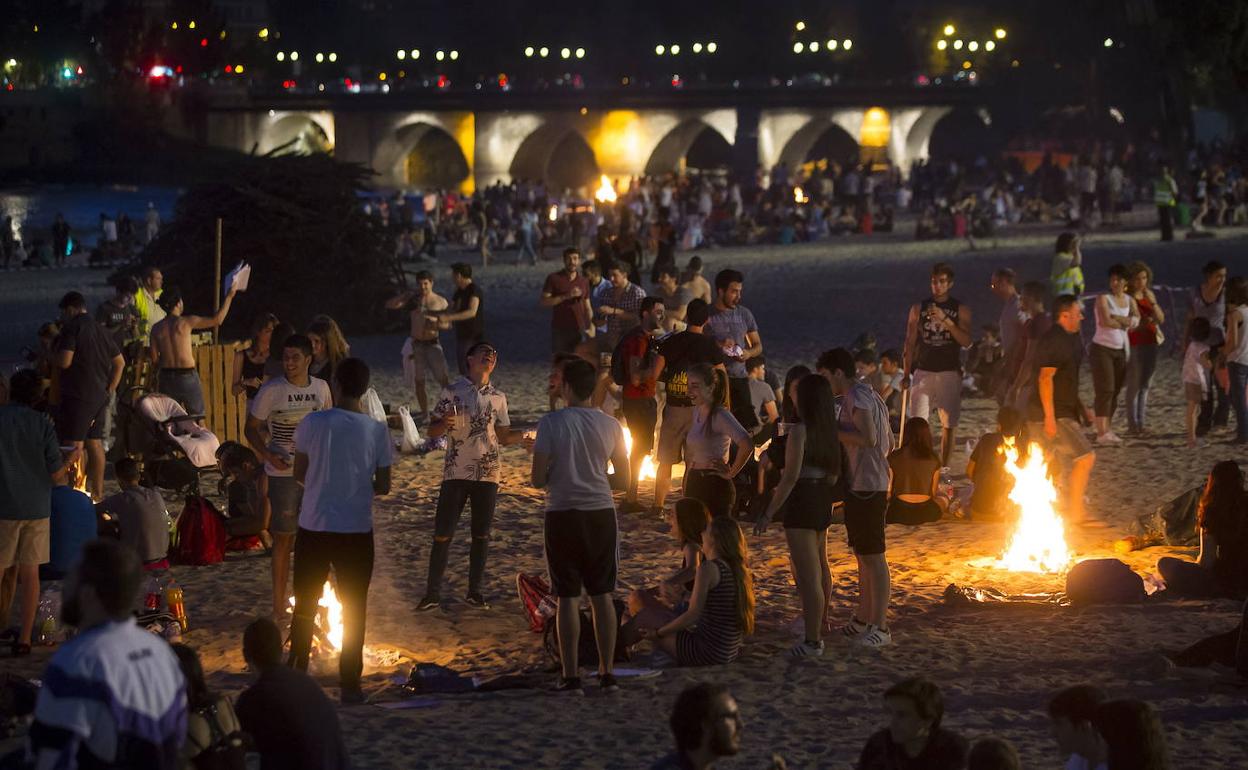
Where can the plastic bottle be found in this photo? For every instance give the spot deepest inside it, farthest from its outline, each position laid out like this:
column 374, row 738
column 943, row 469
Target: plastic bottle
column 173, row 595
column 151, row 595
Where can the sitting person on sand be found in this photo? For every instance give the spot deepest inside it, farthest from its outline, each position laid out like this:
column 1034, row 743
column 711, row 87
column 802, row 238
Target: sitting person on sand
column 214, row 738
column 1130, row 737
column 142, row 518
column 1221, row 569
column 721, row 606
column 914, row 478
column 986, row 468
column 655, row 606
column 993, row 754
column 246, row 489
column 706, row 725
column 914, row 739
column 1071, row 712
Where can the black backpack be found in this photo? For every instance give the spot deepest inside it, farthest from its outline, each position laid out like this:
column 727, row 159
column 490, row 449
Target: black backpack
column 619, row 361
column 587, row 645
column 223, row 752
column 1103, row 581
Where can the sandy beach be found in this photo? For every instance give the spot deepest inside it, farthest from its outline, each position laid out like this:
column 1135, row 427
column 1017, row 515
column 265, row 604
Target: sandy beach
column 997, row 664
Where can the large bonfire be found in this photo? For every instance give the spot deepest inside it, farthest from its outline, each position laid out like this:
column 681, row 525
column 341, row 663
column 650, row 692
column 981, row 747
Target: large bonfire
column 1038, row 543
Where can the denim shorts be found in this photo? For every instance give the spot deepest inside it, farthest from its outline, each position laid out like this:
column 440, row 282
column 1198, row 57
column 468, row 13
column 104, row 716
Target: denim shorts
column 285, row 494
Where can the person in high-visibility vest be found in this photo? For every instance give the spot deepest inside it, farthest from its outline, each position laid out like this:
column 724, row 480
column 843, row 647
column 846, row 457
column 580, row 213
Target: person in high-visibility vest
column 1166, row 197
column 146, row 302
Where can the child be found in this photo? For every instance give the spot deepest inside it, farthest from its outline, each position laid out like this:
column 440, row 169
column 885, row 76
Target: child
column 986, row 468
column 986, row 361
column 890, row 385
column 1196, row 366
column 142, row 518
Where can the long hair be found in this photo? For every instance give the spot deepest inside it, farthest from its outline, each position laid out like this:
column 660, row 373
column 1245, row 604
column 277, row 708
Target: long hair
column 918, row 441
column 717, row 379
column 1224, row 493
column 262, row 322
column 732, row 548
column 817, row 408
column 788, row 409
column 197, row 693
column 1132, row 734
column 692, row 516
column 336, row 348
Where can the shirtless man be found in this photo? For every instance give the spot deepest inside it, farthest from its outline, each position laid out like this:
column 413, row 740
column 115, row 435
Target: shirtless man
column 423, row 348
column 171, row 349
column 692, row 280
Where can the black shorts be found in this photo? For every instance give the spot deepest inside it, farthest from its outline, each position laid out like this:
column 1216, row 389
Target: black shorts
column 864, row 521
column 809, row 505
column 78, row 420
column 581, row 552
column 564, row 340
column 641, row 415
column 912, row 514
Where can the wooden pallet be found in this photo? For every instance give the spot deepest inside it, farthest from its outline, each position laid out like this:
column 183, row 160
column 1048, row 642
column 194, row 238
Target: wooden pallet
column 225, row 414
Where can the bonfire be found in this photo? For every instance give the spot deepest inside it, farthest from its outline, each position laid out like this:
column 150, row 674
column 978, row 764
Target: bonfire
column 605, row 192
column 1038, row 543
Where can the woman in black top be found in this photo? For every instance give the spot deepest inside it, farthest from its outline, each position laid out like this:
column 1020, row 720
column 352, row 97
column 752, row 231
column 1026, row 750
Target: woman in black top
column 1222, row 522
column 329, row 347
column 249, row 362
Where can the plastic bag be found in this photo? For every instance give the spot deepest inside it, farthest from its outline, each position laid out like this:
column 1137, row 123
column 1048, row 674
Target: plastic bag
column 411, row 436
column 48, row 617
column 373, row 407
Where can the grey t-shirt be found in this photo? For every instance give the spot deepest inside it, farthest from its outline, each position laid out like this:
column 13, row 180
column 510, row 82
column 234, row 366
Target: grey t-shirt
column 731, row 325
column 143, row 520
column 1011, row 323
column 579, row 441
column 868, row 465
column 761, row 394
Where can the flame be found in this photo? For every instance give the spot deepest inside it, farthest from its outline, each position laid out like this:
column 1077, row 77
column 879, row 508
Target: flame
column 648, row 467
column 553, row 214
column 799, row 196
column 1039, row 540
column 605, row 192
column 329, row 627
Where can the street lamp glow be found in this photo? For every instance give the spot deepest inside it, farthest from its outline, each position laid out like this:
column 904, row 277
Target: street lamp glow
column 543, row 51
column 797, row 47
column 238, row 69
column 973, row 45
column 263, row 34
column 440, row 55
column 950, row 29
column 191, row 25
column 454, row 55
column 1109, row 42
column 658, row 50
column 814, row 46
column 528, row 52
column 833, row 45
column 415, row 53
column 320, row 57
column 711, row 47
column 675, row 49
column 333, row 57
column 697, row 48
column 173, row 25
column 281, row 56
column 847, row 44
column 801, row 25
column 957, row 45
column 1000, row 33
column 566, row 53
column 400, row 54
column 990, row 46
column 294, row 56
column 942, row 45
column 580, row 53
column 966, row 65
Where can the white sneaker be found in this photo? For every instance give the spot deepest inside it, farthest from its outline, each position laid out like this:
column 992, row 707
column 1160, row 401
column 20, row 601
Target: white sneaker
column 875, row 637
column 854, row 628
column 1108, row 439
column 805, row 649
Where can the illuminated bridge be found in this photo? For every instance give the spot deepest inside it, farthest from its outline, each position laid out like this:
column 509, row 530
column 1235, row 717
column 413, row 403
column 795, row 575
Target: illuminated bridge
column 458, row 140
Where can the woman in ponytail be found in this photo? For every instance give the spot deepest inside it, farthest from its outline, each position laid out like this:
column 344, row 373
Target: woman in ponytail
column 713, row 432
column 721, row 605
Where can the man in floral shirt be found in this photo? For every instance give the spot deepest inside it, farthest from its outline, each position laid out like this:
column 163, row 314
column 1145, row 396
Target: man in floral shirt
column 472, row 414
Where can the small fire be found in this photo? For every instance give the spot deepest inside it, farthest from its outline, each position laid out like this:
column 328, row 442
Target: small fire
column 553, row 214
column 799, row 196
column 648, row 468
column 327, row 637
column 605, row 192
column 1039, row 540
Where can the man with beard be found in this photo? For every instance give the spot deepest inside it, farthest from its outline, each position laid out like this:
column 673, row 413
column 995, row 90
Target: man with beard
column 706, row 724
column 732, row 325
column 936, row 331
column 114, row 695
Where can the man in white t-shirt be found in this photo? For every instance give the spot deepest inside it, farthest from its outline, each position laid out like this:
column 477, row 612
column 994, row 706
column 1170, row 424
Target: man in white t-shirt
column 342, row 459
column 274, row 414
column 472, row 414
column 570, row 455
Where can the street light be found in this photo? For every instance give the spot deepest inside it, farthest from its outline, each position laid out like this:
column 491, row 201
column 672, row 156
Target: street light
column 333, row 57
column 675, row 49
column 294, row 56
column 949, row 29
column 1000, row 33
column 957, row 45
column 454, row 55
column 415, row 53
column 565, row 53
column 528, row 52
column 801, row 25
column 658, row 50
column 797, row 47
column 990, row 46
column 440, row 55
column 847, row 44
column 400, row 54
column 580, row 53
column 697, row 48
column 263, row 34
column 942, row 45
column 711, row 47
column 281, row 56
column 973, row 45
column 1109, row 42
column 320, row 57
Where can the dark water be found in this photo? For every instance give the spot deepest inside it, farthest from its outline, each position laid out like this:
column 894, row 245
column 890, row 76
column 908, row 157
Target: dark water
column 34, row 208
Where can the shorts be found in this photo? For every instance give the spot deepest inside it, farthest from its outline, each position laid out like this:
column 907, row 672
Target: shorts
column 809, row 505
column 78, row 420
column 429, row 359
column 1070, row 443
column 672, row 432
column 864, row 521
column 1194, row 392
column 936, row 390
column 581, row 552
column 640, row 415
column 285, row 495
column 564, row 340
column 24, row 542
column 912, row 514
column 183, row 386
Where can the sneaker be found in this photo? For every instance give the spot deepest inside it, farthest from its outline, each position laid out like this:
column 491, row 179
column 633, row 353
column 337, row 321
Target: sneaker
column 854, row 628
column 352, row 696
column 1108, row 439
column 807, row 649
column 631, row 506
column 429, row 603
column 608, row 683
column 477, row 600
column 568, row 686
column 875, row 637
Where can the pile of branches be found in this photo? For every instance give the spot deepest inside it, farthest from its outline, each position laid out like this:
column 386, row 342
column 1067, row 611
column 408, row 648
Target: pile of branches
column 298, row 221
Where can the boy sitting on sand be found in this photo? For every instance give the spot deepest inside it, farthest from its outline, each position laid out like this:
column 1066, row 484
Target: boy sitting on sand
column 142, row 519
column 986, row 468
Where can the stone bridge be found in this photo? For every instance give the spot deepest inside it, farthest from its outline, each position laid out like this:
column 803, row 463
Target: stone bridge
column 567, row 140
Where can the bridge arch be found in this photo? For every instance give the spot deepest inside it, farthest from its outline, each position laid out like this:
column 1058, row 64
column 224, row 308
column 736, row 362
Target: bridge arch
column 832, row 137
column 557, row 154
column 422, row 150
column 696, row 137
column 296, row 133
column 912, row 134
column 961, row 133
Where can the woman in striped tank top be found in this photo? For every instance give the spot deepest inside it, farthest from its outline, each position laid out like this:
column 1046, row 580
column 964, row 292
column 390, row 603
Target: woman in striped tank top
column 721, row 607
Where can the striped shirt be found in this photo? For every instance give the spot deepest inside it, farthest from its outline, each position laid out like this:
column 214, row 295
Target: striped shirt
column 717, row 638
column 112, row 697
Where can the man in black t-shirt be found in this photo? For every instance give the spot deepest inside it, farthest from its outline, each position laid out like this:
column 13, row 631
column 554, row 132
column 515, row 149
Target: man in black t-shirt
column 936, row 331
column 1055, row 410
column 466, row 314
column 91, row 367
column 671, row 365
column 118, row 315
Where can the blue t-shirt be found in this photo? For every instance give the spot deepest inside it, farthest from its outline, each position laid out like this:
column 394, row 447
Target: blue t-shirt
column 29, row 455
column 72, row 526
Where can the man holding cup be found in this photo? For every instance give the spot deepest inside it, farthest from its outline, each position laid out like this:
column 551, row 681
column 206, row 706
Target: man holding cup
column 472, row 414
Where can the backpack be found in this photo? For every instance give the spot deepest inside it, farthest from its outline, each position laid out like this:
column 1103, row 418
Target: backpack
column 1177, row 518
column 1103, row 581
column 587, row 645
column 539, row 604
column 619, row 360
column 223, row 752
column 200, row 534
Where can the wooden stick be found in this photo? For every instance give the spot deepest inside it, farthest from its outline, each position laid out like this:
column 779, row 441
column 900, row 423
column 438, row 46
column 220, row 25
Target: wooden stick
column 216, row 293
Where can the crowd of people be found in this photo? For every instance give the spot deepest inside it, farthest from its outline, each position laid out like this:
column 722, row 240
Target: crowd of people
column 850, row 437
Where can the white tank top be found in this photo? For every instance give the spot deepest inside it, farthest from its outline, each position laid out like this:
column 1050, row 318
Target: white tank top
column 1114, row 339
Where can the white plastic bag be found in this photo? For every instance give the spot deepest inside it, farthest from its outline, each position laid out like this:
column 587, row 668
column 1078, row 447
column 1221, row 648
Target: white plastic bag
column 411, row 436
column 373, row 407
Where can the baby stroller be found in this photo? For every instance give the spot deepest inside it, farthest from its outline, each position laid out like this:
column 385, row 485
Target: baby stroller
column 174, row 448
